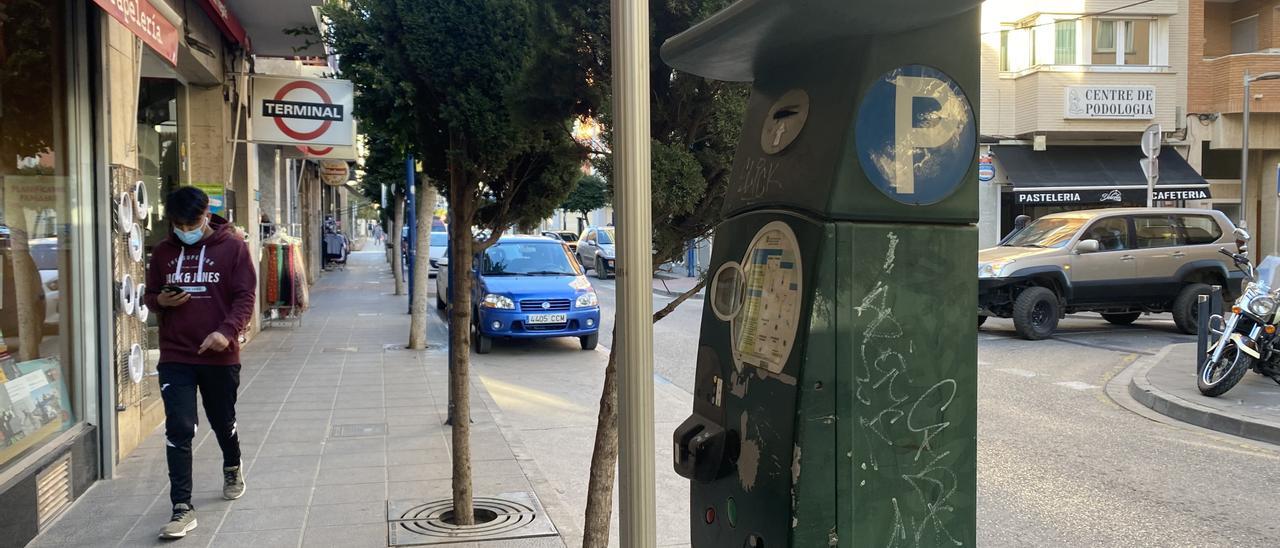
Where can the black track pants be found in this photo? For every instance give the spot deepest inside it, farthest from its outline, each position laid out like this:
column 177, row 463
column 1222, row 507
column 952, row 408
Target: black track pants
column 178, row 384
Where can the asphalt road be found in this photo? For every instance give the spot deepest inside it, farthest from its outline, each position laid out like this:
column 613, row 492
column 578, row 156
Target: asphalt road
column 1061, row 461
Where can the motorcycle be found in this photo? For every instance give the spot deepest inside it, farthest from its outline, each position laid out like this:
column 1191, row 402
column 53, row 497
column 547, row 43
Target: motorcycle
column 1246, row 336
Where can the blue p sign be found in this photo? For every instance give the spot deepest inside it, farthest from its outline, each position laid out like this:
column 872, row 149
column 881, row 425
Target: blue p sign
column 915, row 135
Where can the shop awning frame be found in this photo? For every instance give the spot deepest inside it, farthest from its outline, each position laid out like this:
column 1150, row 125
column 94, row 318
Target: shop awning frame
column 1090, row 168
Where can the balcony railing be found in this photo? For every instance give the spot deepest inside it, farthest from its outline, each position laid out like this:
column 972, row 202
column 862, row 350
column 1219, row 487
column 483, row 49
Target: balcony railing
column 1217, row 84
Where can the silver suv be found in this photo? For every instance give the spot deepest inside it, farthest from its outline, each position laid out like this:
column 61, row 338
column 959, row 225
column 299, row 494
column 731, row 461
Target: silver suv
column 1118, row 262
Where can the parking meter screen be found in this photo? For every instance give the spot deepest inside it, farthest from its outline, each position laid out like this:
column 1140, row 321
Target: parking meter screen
column 764, row 330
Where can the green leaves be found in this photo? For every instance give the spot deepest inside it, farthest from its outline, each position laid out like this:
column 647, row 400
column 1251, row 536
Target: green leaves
column 590, row 194
column 479, row 85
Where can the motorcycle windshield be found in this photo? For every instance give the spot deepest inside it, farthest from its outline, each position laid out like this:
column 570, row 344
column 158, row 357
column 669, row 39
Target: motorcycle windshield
column 1269, row 273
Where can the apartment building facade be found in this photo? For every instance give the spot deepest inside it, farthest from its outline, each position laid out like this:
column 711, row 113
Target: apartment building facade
column 1227, row 40
column 1068, row 88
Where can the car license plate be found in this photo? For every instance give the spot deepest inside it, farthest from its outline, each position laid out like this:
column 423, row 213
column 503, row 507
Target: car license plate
column 548, row 318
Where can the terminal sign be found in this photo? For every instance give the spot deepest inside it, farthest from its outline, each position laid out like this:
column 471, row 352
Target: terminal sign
column 303, row 111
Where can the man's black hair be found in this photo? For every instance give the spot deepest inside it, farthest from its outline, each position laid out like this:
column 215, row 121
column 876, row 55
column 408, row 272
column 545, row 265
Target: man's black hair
column 185, row 205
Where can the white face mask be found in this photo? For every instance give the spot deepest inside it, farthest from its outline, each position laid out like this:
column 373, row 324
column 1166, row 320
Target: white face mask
column 190, row 237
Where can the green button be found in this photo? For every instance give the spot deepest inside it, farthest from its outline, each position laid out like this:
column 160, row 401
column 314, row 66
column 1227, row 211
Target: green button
column 731, row 512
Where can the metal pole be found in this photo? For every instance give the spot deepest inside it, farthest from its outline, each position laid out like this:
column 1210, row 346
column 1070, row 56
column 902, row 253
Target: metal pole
column 1275, row 244
column 411, row 219
column 630, row 36
column 1244, row 158
column 1151, row 190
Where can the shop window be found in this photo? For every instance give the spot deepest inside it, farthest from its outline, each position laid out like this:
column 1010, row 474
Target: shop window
column 1157, row 231
column 159, row 160
column 38, row 383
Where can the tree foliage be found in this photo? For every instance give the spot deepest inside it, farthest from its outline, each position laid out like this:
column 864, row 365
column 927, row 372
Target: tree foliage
column 694, row 123
column 591, row 193
column 465, row 86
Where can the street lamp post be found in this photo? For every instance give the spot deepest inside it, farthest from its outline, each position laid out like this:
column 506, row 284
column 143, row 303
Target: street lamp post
column 636, row 491
column 1244, row 142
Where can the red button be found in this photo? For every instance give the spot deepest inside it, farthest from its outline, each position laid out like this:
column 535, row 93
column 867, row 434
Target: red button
column 711, row 515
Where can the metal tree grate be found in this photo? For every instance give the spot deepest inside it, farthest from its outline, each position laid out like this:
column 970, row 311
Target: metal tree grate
column 518, row 516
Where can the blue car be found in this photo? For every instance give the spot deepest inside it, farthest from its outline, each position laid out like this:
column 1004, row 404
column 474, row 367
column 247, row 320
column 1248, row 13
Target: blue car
column 528, row 287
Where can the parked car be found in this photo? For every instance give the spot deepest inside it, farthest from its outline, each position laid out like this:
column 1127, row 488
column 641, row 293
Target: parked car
column 596, row 252
column 439, row 244
column 1121, row 263
column 569, row 238
column 44, row 252
column 527, row 287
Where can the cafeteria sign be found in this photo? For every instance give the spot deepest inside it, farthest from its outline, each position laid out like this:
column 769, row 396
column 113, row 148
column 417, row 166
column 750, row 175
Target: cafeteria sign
column 311, row 112
column 1112, row 196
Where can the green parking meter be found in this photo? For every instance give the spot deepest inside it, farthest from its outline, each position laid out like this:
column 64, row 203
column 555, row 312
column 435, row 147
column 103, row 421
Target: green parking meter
column 835, row 393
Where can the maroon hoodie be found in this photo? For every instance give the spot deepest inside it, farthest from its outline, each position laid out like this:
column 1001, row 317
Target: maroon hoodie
column 220, row 276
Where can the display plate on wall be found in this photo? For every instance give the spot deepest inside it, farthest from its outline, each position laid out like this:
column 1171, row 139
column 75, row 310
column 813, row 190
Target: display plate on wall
column 127, row 295
column 142, row 203
column 139, row 304
column 135, row 243
column 124, row 212
column 136, row 363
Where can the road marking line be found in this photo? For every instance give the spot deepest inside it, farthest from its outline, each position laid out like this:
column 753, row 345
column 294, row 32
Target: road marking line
column 1076, row 385
column 1018, row 372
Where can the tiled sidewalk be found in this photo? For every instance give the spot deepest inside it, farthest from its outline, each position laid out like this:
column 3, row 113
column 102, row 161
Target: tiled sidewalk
column 333, row 425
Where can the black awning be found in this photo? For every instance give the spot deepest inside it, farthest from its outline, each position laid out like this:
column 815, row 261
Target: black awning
column 1095, row 174
column 1090, row 166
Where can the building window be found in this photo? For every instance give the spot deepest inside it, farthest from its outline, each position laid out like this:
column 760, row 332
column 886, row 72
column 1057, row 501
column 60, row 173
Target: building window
column 1104, row 37
column 1064, row 51
column 1244, row 35
column 1137, row 42
column 1004, row 50
column 1135, row 35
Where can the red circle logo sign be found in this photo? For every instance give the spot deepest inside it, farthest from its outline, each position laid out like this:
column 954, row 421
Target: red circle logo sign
column 315, row 151
column 324, row 97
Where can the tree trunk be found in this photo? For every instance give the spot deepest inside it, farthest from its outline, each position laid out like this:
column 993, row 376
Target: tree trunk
column 386, row 244
column 604, row 461
column 27, row 296
column 421, row 268
column 604, row 455
column 462, row 242
column 397, row 257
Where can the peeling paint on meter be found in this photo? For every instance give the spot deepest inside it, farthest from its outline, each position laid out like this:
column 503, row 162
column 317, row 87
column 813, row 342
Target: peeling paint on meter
column 915, row 135
column 764, row 326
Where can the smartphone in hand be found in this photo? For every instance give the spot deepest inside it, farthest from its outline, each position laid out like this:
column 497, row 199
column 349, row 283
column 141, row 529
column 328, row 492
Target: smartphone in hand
column 171, row 289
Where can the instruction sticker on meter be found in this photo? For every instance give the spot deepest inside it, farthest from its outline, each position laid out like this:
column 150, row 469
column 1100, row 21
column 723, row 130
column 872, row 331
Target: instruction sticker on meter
column 764, row 329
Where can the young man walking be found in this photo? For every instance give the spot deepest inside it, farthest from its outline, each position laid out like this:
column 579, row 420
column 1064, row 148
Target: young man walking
column 202, row 283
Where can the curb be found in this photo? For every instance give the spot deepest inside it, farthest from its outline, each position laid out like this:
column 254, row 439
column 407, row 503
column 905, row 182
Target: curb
column 552, row 502
column 1192, row 413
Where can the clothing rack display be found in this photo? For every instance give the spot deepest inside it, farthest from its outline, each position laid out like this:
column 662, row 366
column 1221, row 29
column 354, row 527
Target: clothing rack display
column 335, row 250
column 285, row 281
